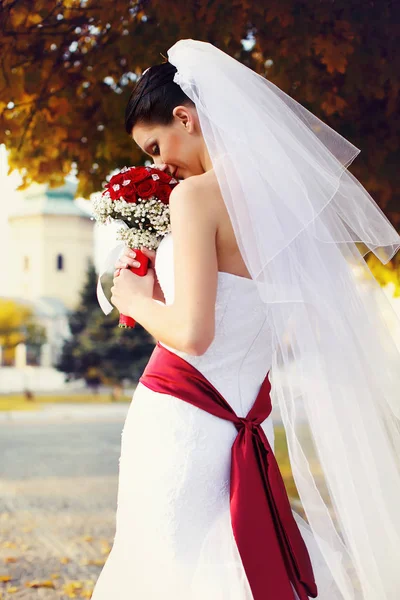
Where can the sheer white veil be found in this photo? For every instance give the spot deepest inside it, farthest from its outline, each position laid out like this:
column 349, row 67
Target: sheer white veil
column 303, row 224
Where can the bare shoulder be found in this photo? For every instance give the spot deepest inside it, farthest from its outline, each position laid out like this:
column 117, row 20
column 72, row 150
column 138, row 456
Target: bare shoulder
column 200, row 194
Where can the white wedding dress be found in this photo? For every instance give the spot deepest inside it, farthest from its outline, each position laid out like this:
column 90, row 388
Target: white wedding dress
column 173, row 538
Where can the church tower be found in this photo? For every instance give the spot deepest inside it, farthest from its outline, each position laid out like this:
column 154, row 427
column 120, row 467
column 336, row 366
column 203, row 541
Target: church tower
column 52, row 243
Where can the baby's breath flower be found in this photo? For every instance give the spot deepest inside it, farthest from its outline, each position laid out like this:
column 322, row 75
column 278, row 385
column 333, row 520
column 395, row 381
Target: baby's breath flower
column 146, row 221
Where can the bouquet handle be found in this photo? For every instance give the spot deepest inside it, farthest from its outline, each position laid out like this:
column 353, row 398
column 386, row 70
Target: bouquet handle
column 126, row 322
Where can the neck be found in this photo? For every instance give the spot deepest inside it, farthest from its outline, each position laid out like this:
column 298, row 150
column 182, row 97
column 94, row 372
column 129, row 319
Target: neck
column 205, row 160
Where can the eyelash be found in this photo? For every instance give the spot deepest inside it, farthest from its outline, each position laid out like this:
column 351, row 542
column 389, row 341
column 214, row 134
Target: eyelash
column 152, row 150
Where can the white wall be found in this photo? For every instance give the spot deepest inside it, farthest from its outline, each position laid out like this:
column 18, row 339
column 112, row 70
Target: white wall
column 41, row 238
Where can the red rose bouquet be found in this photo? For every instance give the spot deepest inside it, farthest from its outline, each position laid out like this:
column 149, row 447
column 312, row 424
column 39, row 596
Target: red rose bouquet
column 138, row 197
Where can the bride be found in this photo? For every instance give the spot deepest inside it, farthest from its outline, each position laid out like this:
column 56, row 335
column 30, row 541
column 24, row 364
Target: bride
column 259, row 296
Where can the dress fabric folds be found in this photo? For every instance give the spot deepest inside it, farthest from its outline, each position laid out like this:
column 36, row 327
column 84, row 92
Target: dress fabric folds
column 196, row 452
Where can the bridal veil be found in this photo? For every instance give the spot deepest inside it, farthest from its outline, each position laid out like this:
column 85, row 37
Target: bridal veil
column 304, row 224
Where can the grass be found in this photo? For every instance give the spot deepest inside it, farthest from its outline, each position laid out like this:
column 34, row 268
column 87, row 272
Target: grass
column 19, row 402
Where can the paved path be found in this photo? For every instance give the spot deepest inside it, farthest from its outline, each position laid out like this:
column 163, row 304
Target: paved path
column 68, row 412
column 58, row 486
column 58, row 493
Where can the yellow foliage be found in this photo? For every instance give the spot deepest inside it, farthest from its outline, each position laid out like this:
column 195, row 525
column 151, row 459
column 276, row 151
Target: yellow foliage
column 34, row 19
column 318, row 52
column 385, row 274
column 13, row 318
column 19, row 16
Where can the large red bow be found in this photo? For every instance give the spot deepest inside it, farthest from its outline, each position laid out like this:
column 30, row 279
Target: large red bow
column 269, row 541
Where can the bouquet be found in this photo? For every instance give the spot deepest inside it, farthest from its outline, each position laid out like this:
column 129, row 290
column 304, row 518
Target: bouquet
column 138, row 198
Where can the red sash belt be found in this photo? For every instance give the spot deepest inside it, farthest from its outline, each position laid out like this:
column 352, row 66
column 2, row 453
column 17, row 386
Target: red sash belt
column 269, row 541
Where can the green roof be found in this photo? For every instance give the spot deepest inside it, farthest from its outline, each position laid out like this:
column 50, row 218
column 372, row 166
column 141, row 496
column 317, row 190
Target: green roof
column 40, row 199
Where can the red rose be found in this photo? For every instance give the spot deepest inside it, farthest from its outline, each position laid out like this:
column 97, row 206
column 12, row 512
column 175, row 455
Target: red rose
column 114, row 186
column 117, row 179
column 129, row 193
column 162, row 176
column 115, row 190
column 147, row 188
column 163, row 192
column 137, row 174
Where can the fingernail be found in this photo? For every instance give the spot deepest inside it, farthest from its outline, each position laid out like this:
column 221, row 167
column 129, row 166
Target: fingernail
column 132, row 253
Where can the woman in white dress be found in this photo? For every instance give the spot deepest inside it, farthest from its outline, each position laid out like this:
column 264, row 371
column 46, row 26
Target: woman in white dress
column 207, row 305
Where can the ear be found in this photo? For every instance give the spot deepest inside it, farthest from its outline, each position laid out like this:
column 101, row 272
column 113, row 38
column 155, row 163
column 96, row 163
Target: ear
column 185, row 117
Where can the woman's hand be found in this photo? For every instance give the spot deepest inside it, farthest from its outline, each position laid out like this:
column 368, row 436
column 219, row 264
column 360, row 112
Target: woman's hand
column 128, row 259
column 127, row 286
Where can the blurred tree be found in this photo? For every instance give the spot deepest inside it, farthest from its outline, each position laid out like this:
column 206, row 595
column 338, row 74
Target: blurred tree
column 87, row 303
column 67, row 68
column 18, row 325
column 35, row 337
column 99, row 351
column 35, row 334
column 385, row 274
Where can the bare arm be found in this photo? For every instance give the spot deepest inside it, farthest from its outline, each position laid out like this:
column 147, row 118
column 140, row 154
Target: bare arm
column 188, row 324
column 128, row 258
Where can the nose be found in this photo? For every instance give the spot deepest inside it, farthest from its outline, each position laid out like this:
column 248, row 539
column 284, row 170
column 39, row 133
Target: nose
column 166, row 167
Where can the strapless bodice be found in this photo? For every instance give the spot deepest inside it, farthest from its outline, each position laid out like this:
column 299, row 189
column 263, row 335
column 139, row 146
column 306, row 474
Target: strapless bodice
column 240, row 355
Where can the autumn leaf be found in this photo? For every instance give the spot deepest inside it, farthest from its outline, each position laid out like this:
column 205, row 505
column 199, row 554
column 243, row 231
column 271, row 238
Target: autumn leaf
column 72, row 588
column 333, row 54
column 98, row 562
column 40, row 584
column 333, row 103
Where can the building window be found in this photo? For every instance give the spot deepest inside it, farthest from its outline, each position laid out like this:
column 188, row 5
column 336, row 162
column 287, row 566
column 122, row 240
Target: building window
column 60, row 262
column 26, row 263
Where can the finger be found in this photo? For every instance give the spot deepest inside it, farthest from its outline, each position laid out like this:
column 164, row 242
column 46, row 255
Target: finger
column 151, row 255
column 147, row 251
column 126, row 255
column 124, row 263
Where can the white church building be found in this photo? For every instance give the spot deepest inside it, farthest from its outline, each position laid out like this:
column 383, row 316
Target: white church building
column 51, row 241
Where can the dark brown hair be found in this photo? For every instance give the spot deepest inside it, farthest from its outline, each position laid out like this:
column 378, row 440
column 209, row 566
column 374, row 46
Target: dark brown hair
column 154, row 97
